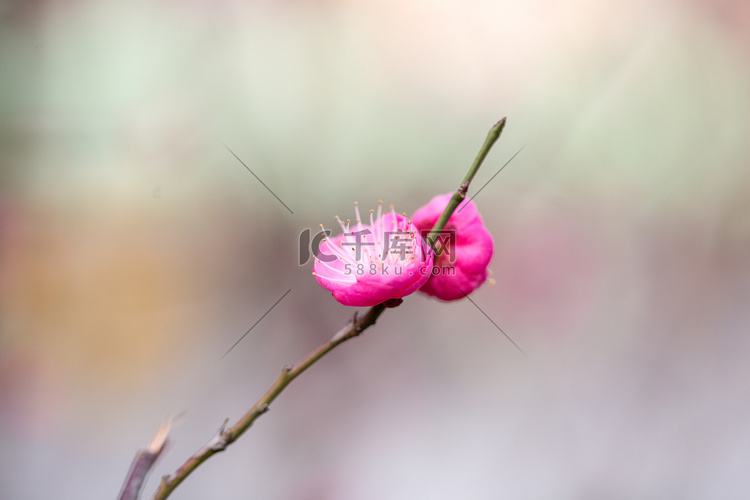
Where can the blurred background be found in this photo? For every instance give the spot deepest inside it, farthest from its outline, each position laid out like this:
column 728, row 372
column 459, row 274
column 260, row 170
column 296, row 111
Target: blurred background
column 135, row 249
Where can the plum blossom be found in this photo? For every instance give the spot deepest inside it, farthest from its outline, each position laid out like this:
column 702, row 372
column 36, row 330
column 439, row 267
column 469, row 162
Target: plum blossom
column 370, row 264
column 464, row 249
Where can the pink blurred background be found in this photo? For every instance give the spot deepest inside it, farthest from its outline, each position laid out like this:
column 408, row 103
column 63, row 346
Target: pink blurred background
column 135, row 250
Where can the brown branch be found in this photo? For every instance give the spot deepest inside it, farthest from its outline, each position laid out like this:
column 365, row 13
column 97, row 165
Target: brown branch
column 142, row 463
column 225, row 436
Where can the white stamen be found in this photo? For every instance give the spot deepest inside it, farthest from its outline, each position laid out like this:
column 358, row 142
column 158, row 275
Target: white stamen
column 359, row 219
column 332, row 268
column 343, row 228
column 334, row 249
column 336, row 280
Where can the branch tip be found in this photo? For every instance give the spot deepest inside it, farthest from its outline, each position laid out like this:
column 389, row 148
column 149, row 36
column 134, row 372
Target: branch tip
column 499, row 125
column 157, row 443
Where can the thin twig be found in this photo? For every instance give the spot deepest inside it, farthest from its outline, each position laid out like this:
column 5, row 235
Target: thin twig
column 492, row 136
column 358, row 324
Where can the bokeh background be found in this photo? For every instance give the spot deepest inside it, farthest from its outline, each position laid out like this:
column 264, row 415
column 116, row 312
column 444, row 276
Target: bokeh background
column 135, row 249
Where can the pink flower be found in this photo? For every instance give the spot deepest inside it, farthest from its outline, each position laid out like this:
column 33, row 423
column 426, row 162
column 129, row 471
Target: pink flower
column 369, row 264
column 465, row 253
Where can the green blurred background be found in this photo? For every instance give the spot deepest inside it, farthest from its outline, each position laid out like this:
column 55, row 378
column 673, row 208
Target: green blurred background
column 135, row 249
